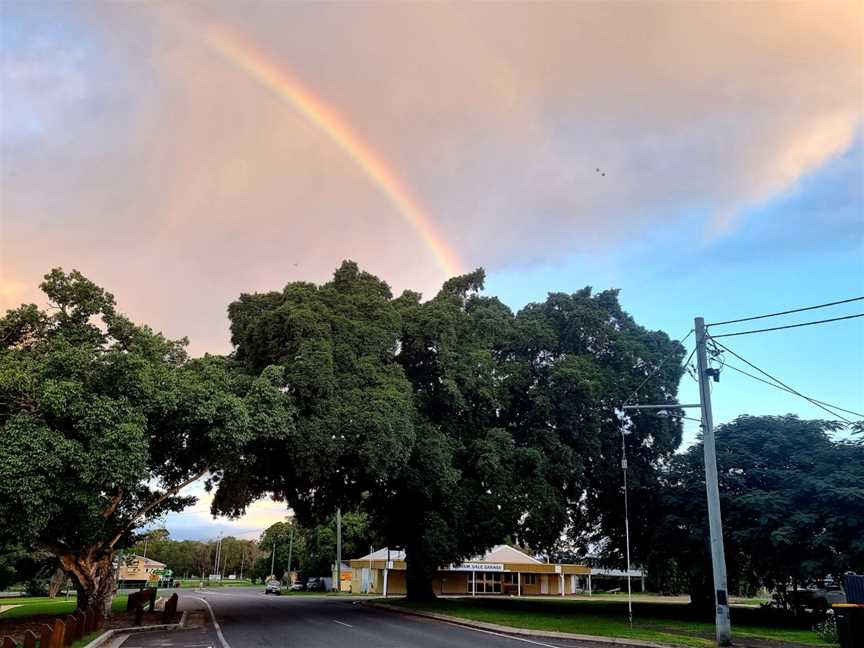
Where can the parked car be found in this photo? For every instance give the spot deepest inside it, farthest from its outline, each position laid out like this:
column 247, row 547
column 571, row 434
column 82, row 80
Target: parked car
column 273, row 587
column 315, row 584
column 817, row 598
column 297, row 587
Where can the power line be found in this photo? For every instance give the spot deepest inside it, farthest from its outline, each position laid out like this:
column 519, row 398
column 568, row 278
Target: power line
column 657, row 368
column 795, row 310
column 780, row 328
column 780, row 382
column 776, row 386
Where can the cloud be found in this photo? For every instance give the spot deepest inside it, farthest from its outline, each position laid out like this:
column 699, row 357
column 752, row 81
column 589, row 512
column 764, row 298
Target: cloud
column 196, row 522
column 178, row 181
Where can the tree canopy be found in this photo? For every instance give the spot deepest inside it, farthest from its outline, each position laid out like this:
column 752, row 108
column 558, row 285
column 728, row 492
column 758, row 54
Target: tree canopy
column 453, row 422
column 792, row 498
column 103, row 421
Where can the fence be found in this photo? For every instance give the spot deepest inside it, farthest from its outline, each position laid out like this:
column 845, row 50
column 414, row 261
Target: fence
column 78, row 625
column 63, row 633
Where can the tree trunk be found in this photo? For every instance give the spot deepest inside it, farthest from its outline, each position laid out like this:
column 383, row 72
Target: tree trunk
column 94, row 580
column 58, row 580
column 419, row 574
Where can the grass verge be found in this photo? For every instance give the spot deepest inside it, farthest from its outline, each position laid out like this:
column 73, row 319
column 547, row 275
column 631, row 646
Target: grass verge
column 661, row 623
column 39, row 606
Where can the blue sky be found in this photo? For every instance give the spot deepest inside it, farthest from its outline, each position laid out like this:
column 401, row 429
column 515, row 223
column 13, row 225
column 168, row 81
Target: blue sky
column 803, row 247
column 730, row 144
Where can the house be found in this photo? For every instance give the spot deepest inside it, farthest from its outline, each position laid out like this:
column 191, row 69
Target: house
column 345, row 576
column 137, row 570
column 501, row 570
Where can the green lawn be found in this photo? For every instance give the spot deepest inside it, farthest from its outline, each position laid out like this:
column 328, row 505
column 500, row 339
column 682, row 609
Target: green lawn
column 34, row 606
column 663, row 623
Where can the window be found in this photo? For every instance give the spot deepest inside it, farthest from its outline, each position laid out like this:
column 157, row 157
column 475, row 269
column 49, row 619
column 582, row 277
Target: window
column 510, row 579
column 530, row 579
column 485, row 583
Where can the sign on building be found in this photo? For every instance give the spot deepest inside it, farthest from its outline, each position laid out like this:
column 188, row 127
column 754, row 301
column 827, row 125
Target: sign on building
column 478, row 566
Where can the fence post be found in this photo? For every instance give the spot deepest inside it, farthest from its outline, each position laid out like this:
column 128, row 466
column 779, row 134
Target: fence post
column 90, row 624
column 30, row 639
column 170, row 609
column 58, row 634
column 151, row 594
column 130, row 602
column 81, row 627
column 139, row 615
column 8, row 643
column 71, row 630
column 44, row 636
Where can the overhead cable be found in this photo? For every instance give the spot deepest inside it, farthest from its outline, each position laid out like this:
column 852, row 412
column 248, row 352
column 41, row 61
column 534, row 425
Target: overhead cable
column 788, row 326
column 776, row 386
column 780, row 382
column 656, row 369
column 794, row 310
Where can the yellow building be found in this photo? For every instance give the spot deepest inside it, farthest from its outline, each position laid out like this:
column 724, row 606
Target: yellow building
column 502, row 570
column 137, row 569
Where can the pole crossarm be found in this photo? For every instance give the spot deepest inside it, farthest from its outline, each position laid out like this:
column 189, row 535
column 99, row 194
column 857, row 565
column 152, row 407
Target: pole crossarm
column 665, row 406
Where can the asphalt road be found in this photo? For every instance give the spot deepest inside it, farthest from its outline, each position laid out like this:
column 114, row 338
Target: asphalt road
column 250, row 619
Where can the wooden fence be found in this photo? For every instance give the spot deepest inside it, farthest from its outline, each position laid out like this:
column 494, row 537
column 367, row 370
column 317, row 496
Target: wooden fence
column 78, row 625
column 62, row 633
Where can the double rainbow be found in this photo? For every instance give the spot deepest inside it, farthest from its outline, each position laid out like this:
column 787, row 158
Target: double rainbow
column 253, row 62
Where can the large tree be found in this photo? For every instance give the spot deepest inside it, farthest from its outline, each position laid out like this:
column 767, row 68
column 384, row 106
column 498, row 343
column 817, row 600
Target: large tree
column 792, row 497
column 453, row 422
column 103, row 422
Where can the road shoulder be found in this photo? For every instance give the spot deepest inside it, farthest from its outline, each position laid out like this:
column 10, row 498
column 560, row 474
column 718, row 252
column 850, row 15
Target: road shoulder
column 510, row 630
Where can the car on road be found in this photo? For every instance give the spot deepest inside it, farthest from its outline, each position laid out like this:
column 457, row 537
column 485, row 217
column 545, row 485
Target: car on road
column 297, row 587
column 315, row 584
column 273, row 587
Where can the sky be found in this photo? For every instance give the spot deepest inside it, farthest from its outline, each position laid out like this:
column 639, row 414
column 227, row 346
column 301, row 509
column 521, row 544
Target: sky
column 706, row 159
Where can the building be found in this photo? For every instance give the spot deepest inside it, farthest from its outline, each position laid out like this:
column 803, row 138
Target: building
column 502, row 570
column 345, row 576
column 136, row 570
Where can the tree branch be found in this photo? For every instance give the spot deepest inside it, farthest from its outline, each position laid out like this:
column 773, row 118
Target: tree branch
column 115, row 502
column 149, row 507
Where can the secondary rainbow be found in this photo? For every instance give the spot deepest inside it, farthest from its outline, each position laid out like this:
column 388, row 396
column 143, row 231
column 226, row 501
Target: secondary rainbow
column 253, row 62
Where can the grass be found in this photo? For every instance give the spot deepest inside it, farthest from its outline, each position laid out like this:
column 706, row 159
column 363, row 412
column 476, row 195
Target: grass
column 659, row 622
column 35, row 606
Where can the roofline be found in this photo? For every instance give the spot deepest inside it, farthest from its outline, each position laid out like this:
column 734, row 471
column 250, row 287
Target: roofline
column 531, row 558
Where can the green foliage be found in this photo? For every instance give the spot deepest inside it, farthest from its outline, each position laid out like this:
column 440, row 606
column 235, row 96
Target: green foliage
column 102, row 421
column 313, row 551
column 792, row 498
column 453, row 422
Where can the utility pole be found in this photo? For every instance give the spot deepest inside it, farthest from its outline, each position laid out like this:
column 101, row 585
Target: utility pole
column 242, row 560
column 290, row 551
column 273, row 560
column 337, row 586
column 715, row 523
column 386, row 571
column 626, row 528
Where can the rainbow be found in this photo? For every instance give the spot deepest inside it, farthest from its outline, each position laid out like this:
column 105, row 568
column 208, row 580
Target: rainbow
column 253, row 62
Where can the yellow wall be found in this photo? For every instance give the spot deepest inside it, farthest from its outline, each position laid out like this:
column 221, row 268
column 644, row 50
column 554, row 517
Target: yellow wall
column 455, row 582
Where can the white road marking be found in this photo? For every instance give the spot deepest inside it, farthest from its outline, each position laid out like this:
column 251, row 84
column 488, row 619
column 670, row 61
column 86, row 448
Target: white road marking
column 216, row 625
column 499, row 634
column 347, row 625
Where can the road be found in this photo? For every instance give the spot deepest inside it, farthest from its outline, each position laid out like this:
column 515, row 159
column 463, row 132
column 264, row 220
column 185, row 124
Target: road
column 250, row 619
